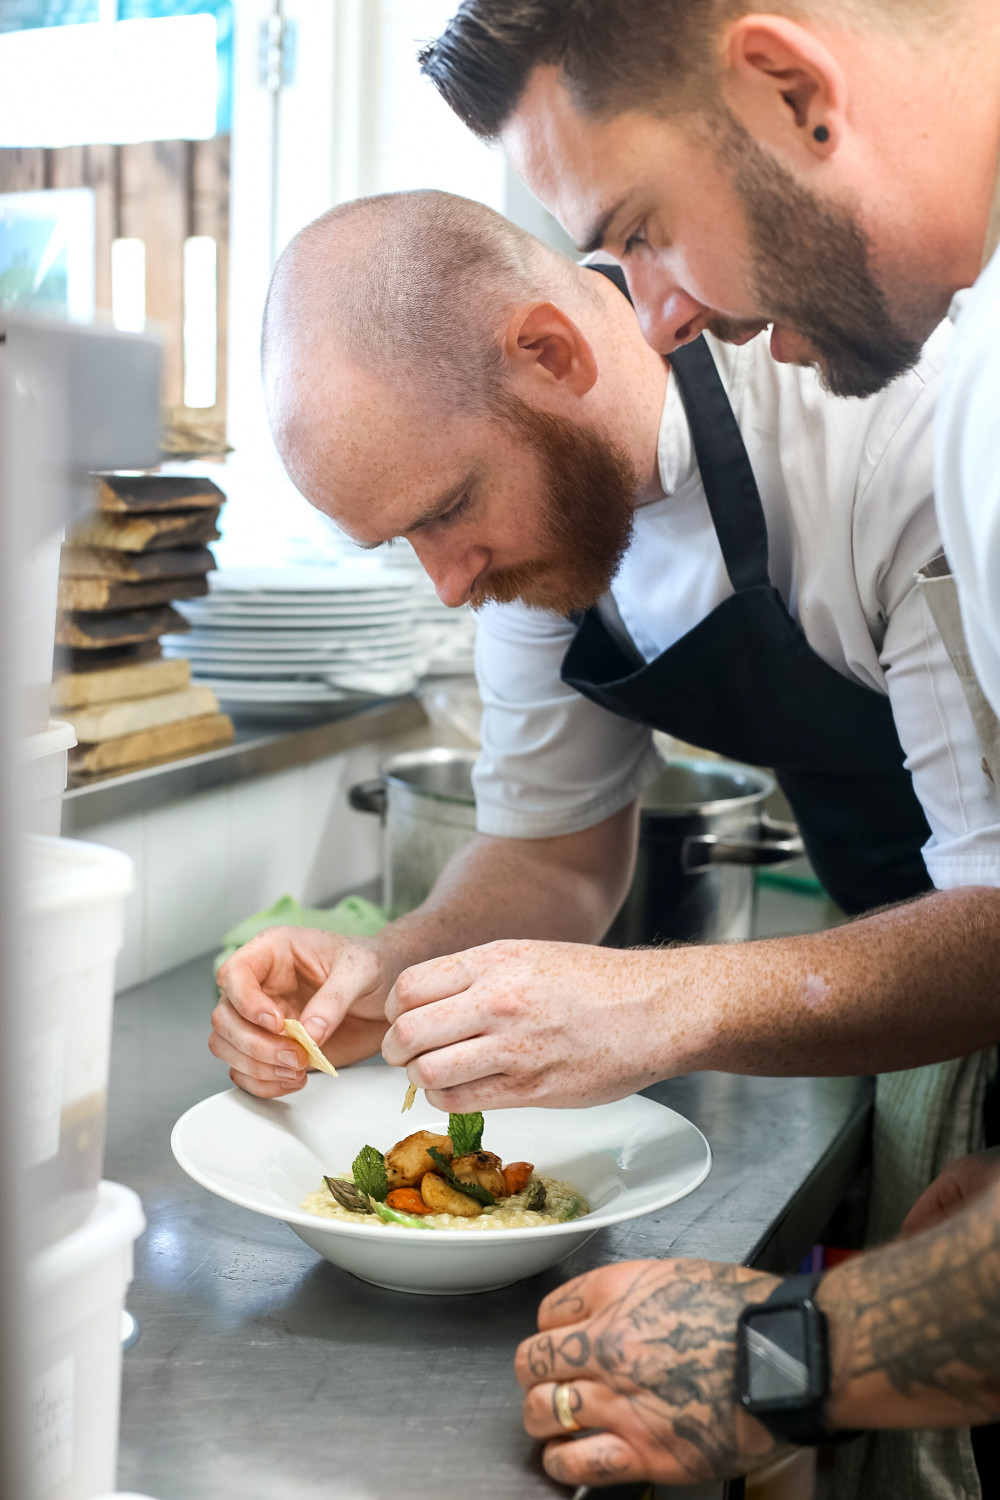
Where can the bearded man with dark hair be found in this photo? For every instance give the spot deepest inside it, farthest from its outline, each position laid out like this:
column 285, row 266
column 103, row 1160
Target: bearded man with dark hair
column 830, row 168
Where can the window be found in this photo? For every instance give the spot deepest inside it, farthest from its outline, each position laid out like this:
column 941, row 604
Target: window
column 128, row 101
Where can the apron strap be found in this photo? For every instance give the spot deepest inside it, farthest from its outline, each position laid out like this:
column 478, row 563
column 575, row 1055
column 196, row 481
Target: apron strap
column 730, row 487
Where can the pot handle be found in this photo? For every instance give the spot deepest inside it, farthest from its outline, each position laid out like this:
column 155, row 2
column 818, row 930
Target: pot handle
column 368, row 796
column 777, row 843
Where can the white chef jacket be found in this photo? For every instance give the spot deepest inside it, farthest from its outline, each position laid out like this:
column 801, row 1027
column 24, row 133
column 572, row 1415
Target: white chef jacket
column 967, row 469
column 847, row 494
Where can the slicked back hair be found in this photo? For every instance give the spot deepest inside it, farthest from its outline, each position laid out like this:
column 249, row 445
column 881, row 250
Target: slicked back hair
column 653, row 56
column 413, row 288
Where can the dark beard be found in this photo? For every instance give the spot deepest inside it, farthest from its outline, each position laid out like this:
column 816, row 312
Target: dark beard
column 588, row 517
column 812, row 273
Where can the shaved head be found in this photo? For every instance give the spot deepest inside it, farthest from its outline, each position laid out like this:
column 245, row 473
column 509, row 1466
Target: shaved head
column 425, row 377
column 413, row 289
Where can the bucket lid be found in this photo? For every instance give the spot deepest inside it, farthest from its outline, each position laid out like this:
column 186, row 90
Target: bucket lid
column 117, row 1220
column 58, row 736
column 68, row 872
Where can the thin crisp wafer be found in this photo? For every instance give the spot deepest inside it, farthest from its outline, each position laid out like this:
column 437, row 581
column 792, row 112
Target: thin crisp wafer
column 411, row 1094
column 298, row 1033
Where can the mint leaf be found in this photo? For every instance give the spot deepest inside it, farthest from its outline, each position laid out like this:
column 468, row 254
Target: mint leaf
column 470, row 1189
column 368, row 1171
column 466, row 1133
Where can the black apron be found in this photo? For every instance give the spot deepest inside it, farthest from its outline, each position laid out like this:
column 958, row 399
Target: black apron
column 746, row 683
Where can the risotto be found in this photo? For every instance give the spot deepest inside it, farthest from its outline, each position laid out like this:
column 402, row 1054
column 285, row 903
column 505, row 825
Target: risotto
column 562, row 1202
column 434, row 1180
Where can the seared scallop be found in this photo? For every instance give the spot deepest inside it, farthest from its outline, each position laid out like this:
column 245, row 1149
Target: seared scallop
column 407, row 1162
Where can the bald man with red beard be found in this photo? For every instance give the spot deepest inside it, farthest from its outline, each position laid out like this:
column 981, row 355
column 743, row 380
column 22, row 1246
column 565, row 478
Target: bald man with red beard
column 433, row 373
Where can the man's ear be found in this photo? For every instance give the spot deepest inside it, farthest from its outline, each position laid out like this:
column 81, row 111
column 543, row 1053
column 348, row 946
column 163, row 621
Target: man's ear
column 784, row 85
column 542, row 343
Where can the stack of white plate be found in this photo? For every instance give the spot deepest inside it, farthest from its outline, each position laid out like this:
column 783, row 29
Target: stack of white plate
column 300, row 637
column 448, row 635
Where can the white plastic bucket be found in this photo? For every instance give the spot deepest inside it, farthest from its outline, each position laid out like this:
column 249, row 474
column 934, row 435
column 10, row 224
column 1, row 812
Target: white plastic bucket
column 43, row 776
column 73, row 898
column 76, row 1291
column 35, row 629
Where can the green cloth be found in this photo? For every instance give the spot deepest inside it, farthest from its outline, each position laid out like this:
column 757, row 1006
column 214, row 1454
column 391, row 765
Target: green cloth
column 924, row 1118
column 352, row 917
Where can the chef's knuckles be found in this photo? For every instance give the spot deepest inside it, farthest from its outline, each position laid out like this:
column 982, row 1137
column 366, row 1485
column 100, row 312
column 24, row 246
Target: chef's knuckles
column 261, row 1088
column 264, row 1068
column 597, row 1459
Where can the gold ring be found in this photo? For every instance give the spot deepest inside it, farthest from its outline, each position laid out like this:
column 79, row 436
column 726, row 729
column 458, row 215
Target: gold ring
column 563, row 1409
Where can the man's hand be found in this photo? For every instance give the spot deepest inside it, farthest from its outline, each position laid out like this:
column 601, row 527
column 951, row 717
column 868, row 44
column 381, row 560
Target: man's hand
column 515, row 1023
column 335, row 986
column 960, row 1181
column 648, row 1351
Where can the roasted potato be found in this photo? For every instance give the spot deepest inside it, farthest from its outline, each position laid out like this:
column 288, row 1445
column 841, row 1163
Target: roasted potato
column 407, row 1162
column 481, row 1167
column 442, row 1198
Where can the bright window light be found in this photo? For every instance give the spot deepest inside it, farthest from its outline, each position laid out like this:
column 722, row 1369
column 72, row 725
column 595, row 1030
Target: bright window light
column 47, row 252
column 200, row 321
column 128, row 285
column 143, row 80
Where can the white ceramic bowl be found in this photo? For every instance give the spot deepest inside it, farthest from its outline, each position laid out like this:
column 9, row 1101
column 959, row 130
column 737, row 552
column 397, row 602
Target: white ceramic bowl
column 626, row 1158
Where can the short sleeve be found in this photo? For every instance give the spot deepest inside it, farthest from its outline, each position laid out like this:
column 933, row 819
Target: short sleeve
column 552, row 762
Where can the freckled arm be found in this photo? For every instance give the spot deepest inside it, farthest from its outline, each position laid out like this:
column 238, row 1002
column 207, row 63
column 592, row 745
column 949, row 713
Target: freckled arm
column 567, row 888
column 909, row 985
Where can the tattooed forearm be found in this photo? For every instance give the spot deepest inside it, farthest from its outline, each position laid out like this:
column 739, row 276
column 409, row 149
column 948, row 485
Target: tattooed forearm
column 925, row 1313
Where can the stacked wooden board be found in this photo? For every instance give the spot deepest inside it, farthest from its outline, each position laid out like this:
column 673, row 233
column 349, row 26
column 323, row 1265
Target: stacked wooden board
column 144, row 546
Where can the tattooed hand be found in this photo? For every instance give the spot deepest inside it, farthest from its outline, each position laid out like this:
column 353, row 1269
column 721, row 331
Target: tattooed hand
column 648, row 1350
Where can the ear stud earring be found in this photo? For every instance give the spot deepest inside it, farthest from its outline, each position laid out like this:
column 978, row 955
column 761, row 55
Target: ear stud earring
column 821, row 133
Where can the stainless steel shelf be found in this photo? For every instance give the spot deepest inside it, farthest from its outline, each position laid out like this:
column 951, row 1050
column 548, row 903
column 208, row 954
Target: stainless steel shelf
column 256, row 751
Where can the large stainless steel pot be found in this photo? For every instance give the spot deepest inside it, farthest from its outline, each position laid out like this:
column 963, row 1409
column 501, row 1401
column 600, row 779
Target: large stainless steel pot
column 702, row 831
column 428, row 812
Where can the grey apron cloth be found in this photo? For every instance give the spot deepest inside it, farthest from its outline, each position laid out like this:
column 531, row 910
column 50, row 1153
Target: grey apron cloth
column 746, row 683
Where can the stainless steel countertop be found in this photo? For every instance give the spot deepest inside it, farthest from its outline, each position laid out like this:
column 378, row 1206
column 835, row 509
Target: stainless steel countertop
column 263, row 1373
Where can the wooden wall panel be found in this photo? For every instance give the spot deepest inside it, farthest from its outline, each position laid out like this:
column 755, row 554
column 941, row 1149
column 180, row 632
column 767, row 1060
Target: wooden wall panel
column 22, row 169
column 210, row 215
column 159, row 192
column 154, row 206
column 100, row 172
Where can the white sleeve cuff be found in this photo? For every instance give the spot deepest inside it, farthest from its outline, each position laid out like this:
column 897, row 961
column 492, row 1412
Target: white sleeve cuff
column 501, row 820
column 973, row 860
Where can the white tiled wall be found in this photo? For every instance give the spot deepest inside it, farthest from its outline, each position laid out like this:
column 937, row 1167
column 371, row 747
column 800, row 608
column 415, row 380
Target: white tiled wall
column 205, row 863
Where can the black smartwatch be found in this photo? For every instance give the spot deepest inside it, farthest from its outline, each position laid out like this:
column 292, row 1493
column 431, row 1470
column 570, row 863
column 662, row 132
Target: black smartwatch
column 783, row 1364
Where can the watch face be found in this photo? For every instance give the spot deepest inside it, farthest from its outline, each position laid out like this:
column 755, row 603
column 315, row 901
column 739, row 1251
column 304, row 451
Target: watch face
column 780, row 1361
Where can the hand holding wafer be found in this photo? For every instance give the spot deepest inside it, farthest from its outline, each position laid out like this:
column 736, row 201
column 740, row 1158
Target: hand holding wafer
column 333, row 988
